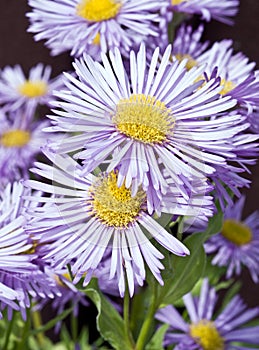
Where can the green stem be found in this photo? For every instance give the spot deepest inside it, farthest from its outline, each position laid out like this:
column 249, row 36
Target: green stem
column 74, row 326
column 145, row 329
column 126, row 318
column 37, row 324
column 9, row 331
column 26, row 329
column 178, row 18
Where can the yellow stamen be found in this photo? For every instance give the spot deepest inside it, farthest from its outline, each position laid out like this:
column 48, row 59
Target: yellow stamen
column 236, row 232
column 15, row 138
column 114, row 205
column 227, row 86
column 190, row 63
column 144, row 118
column 206, row 334
column 98, row 10
column 33, row 89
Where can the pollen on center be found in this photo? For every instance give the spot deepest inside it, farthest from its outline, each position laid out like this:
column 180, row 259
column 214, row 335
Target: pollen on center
column 113, row 205
column 33, row 89
column 15, row 138
column 206, row 334
column 144, row 118
column 236, row 232
column 98, row 10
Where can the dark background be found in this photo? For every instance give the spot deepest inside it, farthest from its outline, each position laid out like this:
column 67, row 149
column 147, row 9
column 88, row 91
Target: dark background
column 18, row 47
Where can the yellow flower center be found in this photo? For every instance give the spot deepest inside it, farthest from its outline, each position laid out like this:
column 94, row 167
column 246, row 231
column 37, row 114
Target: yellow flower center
column 227, row 86
column 190, row 63
column 114, row 205
column 206, row 335
column 98, row 10
column 143, row 118
column 33, row 89
column 15, row 138
column 236, row 232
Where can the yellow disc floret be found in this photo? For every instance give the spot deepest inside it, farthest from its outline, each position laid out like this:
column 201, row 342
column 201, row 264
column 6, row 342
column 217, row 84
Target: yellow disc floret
column 236, row 232
column 190, row 61
column 144, row 118
column 227, row 86
column 113, row 205
column 206, row 335
column 98, row 10
column 15, row 138
column 33, row 89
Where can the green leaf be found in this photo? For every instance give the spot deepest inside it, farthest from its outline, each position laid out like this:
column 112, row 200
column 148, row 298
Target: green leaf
column 182, row 273
column 156, row 341
column 109, row 323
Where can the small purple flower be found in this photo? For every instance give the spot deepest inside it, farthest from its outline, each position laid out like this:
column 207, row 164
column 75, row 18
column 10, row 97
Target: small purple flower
column 20, row 277
column 94, row 26
column 207, row 330
column 20, row 141
column 17, row 91
column 86, row 217
column 237, row 244
column 208, row 9
column 238, row 78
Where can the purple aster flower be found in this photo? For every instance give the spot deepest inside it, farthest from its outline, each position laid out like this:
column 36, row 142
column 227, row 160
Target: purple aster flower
column 93, row 26
column 207, row 330
column 245, row 149
column 18, row 91
column 237, row 244
column 238, row 77
column 91, row 216
column 208, row 9
column 20, row 277
column 158, row 121
column 20, row 142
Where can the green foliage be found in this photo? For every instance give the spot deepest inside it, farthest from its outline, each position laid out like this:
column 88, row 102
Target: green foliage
column 157, row 340
column 109, row 323
column 181, row 273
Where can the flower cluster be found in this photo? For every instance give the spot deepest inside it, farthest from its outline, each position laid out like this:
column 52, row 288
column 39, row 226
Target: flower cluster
column 145, row 136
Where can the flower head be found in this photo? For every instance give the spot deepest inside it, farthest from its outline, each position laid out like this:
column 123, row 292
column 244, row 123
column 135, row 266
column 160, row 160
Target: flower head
column 94, row 26
column 20, row 142
column 205, row 330
column 153, row 124
column 208, row 9
column 20, row 276
column 237, row 244
column 238, row 77
column 16, row 90
column 88, row 217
